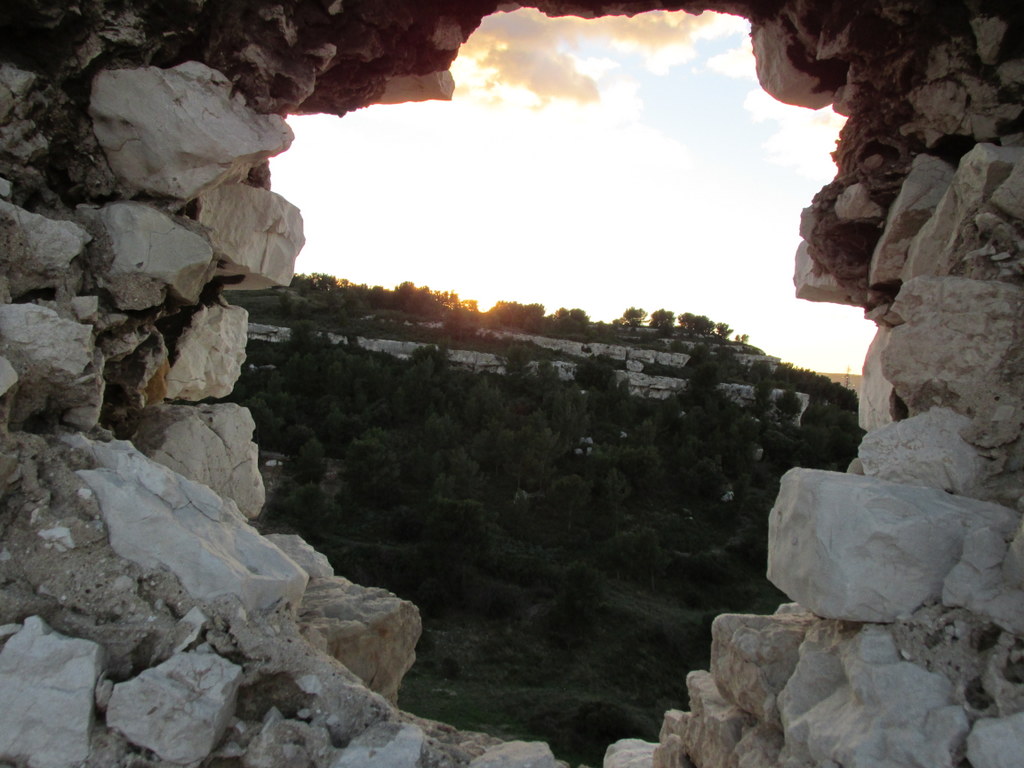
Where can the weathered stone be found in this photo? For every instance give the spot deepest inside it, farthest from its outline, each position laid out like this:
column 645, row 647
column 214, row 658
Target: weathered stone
column 940, row 110
column 154, row 257
column 933, row 251
column 390, row 744
column 759, row 747
column 157, row 518
column 516, row 754
column 923, row 450
column 773, row 42
column 437, row 86
column 36, row 253
column 210, row 444
column 927, row 182
column 752, row 657
column 986, row 581
column 209, row 354
column 989, row 31
column 715, row 726
column 996, row 742
column 256, row 233
column 56, row 363
column 629, row 753
column 814, row 284
column 20, row 137
column 284, row 743
column 958, row 336
column 46, row 683
column 178, row 709
column 369, row 630
column 855, row 204
column 863, row 549
column 312, row 562
column 179, row 132
column 5, row 188
column 1009, row 196
column 853, row 702
column 8, row 376
column 653, row 387
column 876, row 392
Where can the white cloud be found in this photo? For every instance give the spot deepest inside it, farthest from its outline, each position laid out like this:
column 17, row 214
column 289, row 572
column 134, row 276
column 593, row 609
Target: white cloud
column 737, row 62
column 804, row 139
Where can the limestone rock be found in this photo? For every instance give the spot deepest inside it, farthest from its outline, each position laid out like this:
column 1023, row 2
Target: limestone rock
column 179, row 132
column 369, row 630
column 157, row 518
column 154, row 257
column 715, row 726
column 862, row 549
column 437, row 86
column 36, row 253
column 874, row 408
column 56, row 363
column 283, row 743
column 392, row 744
column 312, row 562
column 516, row 754
column 1009, row 196
column 178, row 709
column 629, row 753
column 852, row 701
column 209, row 354
column 778, row 74
column 933, row 250
column 957, row 336
column 927, row 182
column 210, row 444
column 986, row 580
column 20, row 137
column 996, row 742
column 653, row 387
column 257, row 235
column 8, row 376
column 752, row 657
column 46, row 683
column 814, row 284
column 923, row 450
column 855, row 204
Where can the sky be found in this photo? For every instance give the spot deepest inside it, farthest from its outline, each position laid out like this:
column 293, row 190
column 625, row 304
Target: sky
column 598, row 164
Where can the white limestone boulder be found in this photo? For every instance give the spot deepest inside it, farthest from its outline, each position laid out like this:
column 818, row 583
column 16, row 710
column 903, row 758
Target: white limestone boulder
column 752, row 657
column 778, row 74
column 813, row 284
column 210, row 444
column 56, row 362
column 714, row 728
column 926, row 449
column 516, row 754
column 153, row 257
column 1009, row 196
column 159, row 519
column 959, row 335
column 181, row 131
column 396, row 745
column 312, row 562
column 369, row 630
column 862, row 549
column 20, row 136
column 987, row 578
column 179, row 709
column 8, row 376
column 874, row 408
column 927, row 182
column 855, row 204
column 37, row 253
column 209, row 354
column 981, row 171
column 629, row 753
column 853, row 701
column 997, row 742
column 257, row 235
column 47, row 684
column 436, row 86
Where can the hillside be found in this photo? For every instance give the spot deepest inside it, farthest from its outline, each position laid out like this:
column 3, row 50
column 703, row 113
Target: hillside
column 565, row 540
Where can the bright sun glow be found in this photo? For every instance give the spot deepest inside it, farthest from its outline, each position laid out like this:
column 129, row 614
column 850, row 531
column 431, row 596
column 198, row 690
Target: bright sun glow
column 594, row 164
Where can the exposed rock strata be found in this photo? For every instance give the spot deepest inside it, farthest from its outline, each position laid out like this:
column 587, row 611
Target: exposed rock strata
column 144, row 108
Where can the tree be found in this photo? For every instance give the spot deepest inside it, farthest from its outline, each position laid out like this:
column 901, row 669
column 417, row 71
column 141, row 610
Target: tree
column 309, row 466
column 697, row 325
column 663, row 320
column 512, row 314
column 742, row 338
column 722, row 330
column 634, row 317
column 570, row 321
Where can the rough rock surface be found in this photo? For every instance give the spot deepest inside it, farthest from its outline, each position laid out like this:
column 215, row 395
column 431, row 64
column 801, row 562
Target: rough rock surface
column 211, row 444
column 629, row 753
column 256, row 234
column 209, row 354
column 312, row 562
column 862, row 549
column 178, row 709
column 47, row 683
column 516, row 754
column 370, row 631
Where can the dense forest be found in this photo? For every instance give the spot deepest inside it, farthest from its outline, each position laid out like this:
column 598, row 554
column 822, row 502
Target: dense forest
column 567, row 544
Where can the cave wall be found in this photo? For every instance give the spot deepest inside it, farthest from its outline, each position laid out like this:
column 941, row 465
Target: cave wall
column 134, row 138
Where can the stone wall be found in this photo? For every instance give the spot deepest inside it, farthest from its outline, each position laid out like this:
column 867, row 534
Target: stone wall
column 154, row 626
